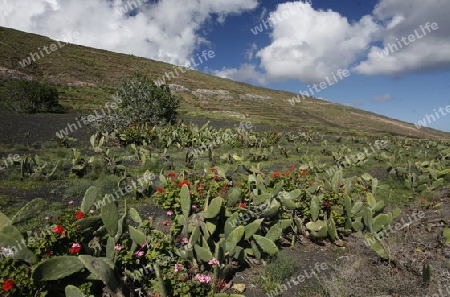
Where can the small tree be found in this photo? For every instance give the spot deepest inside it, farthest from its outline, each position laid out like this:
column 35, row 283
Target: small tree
column 140, row 101
column 143, row 101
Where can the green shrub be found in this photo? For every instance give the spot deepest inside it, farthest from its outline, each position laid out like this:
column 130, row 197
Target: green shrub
column 31, row 97
column 139, row 100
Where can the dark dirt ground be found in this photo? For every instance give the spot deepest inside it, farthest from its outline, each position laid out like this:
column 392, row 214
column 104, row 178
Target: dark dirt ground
column 43, row 127
column 354, row 270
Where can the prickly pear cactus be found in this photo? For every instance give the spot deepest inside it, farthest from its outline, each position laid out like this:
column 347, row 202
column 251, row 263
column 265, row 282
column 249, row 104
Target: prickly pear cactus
column 57, row 268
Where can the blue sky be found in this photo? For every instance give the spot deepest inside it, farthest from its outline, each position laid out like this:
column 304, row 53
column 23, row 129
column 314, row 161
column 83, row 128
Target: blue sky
column 312, row 40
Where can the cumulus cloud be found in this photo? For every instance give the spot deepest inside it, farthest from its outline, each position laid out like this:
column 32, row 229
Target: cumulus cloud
column 314, row 43
column 163, row 30
column 402, row 19
column 383, row 98
column 311, row 44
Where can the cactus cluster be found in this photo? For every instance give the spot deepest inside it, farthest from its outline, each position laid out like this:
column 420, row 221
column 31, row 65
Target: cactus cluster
column 34, row 167
column 359, row 215
column 100, row 268
column 214, row 233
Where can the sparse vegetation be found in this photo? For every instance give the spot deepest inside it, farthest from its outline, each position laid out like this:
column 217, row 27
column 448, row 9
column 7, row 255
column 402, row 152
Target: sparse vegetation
column 151, row 206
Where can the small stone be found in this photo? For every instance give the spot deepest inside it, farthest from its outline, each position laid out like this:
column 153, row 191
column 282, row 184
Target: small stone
column 339, row 243
column 239, row 288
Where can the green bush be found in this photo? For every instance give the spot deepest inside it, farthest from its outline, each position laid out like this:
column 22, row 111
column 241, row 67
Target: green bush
column 140, row 101
column 31, row 97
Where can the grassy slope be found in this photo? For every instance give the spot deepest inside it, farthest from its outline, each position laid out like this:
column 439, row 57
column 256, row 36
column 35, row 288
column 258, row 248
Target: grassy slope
column 87, row 76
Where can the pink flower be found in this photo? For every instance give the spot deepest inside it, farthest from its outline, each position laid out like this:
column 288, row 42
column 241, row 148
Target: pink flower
column 150, row 219
column 47, row 218
column 143, row 245
column 71, row 202
column 194, row 207
column 203, row 278
column 185, row 240
column 91, row 211
column 117, row 247
column 178, row 267
column 169, row 213
column 166, row 223
column 213, row 261
column 139, row 253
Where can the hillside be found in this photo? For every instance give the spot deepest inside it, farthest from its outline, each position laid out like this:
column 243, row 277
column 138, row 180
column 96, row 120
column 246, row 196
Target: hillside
column 86, row 77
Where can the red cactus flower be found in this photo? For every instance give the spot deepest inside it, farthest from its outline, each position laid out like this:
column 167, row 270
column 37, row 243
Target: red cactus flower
column 76, row 247
column 212, row 170
column 197, row 186
column 160, row 190
column 326, row 203
column 216, row 177
column 311, row 183
column 171, row 174
column 185, row 182
column 242, row 205
column 276, row 174
column 8, row 285
column 79, row 215
column 58, row 229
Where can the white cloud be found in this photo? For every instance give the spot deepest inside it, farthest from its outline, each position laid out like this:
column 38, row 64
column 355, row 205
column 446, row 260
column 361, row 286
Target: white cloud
column 244, row 72
column 250, row 53
column 312, row 44
column 428, row 53
column 165, row 30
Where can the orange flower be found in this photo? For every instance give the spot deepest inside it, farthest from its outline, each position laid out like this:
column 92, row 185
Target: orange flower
column 79, row 215
column 58, row 229
column 7, row 285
